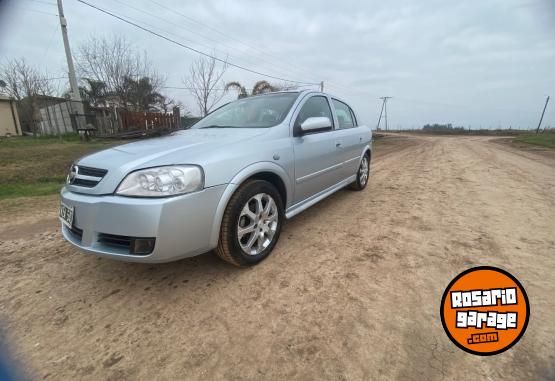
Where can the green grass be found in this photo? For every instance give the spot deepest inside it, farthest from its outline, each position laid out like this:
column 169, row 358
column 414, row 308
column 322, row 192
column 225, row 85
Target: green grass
column 546, row 139
column 28, row 190
column 25, row 141
column 38, row 166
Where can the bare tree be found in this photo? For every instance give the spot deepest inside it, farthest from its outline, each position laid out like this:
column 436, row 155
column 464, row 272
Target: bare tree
column 25, row 84
column 118, row 65
column 205, row 83
column 22, row 80
column 167, row 104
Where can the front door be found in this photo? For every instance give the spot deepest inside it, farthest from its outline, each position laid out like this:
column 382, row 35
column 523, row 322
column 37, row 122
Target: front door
column 318, row 159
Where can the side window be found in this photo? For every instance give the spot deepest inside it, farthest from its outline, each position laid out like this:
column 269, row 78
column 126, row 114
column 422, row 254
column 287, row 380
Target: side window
column 315, row 106
column 344, row 116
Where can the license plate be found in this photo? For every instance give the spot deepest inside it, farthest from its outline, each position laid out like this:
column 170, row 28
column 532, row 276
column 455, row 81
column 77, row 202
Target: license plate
column 66, row 214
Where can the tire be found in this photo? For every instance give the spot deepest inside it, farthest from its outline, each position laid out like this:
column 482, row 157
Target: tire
column 250, row 208
column 362, row 174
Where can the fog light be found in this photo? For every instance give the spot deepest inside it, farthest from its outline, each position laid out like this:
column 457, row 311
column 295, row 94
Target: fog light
column 142, row 246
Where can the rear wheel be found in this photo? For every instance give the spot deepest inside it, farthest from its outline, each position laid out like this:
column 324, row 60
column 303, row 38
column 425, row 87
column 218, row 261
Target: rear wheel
column 251, row 224
column 362, row 174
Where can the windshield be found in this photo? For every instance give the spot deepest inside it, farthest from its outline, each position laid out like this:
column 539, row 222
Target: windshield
column 255, row 112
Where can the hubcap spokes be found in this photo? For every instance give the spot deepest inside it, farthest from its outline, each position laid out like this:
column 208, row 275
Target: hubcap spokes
column 257, row 223
column 363, row 171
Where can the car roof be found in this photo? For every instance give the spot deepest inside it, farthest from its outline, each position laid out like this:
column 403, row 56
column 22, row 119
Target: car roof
column 303, row 92
column 295, row 91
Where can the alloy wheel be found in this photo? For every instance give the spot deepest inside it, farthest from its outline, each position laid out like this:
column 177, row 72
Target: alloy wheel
column 363, row 171
column 257, row 224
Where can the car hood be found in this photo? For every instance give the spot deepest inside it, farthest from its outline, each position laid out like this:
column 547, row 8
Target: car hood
column 182, row 147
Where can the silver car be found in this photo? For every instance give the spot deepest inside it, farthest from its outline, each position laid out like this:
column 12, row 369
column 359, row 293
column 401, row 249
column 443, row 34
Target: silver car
column 228, row 183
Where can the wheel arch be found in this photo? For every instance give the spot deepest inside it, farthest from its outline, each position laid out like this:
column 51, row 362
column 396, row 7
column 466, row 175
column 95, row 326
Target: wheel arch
column 267, row 171
column 367, row 150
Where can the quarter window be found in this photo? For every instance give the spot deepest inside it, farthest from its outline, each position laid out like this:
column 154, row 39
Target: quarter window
column 314, row 107
column 344, row 115
column 354, row 116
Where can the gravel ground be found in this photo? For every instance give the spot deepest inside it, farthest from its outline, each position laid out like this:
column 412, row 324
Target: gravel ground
column 352, row 290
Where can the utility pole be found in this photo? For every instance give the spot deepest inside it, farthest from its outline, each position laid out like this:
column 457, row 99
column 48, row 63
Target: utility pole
column 322, row 86
column 75, row 96
column 543, row 112
column 76, row 104
column 384, row 107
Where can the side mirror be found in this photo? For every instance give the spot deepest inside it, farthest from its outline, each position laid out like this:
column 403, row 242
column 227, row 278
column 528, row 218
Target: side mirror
column 314, row 124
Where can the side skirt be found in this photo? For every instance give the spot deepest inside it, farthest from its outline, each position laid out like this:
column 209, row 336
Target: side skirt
column 303, row 205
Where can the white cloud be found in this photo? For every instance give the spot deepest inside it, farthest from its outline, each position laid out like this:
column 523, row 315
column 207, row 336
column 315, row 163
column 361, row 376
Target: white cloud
column 468, row 63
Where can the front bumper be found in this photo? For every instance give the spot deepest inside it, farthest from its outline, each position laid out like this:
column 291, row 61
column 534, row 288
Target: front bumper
column 181, row 225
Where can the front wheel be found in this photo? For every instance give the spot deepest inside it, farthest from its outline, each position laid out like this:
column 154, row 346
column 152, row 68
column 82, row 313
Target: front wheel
column 251, row 224
column 362, row 174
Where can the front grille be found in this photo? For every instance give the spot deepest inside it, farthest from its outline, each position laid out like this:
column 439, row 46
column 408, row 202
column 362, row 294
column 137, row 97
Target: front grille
column 86, row 176
column 84, row 183
column 96, row 172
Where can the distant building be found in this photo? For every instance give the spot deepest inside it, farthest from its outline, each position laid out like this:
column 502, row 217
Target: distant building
column 9, row 119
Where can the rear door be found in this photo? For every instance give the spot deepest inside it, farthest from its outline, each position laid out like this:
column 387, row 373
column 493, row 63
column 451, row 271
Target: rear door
column 351, row 136
column 317, row 160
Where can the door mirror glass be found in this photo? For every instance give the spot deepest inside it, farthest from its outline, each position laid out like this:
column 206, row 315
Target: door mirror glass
column 317, row 123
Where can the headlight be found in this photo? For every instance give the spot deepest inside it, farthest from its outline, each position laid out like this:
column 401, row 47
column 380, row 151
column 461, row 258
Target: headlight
column 162, row 181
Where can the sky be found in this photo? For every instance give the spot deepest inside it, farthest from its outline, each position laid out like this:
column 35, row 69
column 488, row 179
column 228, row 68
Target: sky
column 474, row 63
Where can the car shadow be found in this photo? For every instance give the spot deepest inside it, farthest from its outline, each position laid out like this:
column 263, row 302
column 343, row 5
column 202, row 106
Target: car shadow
column 194, row 273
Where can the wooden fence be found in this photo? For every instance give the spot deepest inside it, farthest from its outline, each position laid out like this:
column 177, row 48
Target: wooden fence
column 115, row 121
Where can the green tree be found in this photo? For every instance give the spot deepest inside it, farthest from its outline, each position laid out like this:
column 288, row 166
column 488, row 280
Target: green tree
column 140, row 94
column 94, row 92
column 259, row 87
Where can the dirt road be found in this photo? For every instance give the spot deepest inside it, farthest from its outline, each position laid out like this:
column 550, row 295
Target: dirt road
column 352, row 290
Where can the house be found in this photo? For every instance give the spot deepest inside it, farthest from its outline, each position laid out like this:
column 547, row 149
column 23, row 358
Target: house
column 9, row 119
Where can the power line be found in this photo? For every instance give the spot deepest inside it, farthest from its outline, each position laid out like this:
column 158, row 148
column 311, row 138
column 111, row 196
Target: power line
column 50, row 41
column 287, row 66
column 47, row 79
column 163, row 87
column 36, row 11
column 43, row 2
column 275, row 58
column 433, row 102
column 165, row 21
column 221, row 89
column 179, row 26
column 331, row 84
column 191, row 48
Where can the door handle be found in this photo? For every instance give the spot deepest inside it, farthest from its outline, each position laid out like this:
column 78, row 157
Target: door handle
column 360, row 138
column 337, row 144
